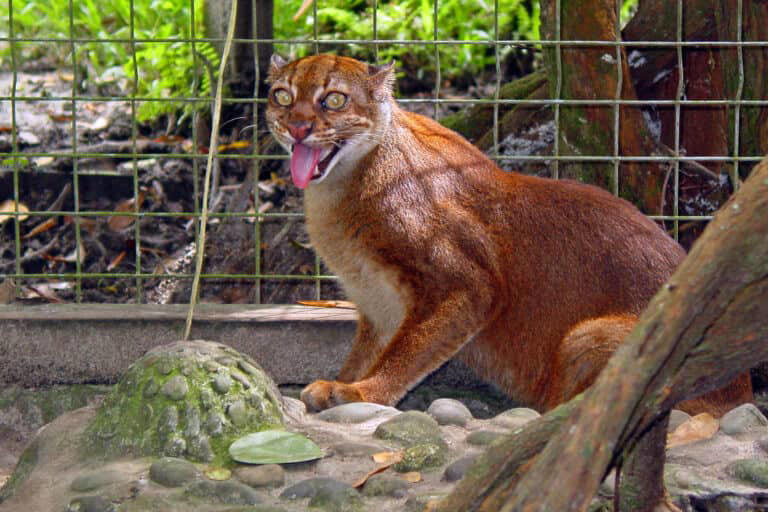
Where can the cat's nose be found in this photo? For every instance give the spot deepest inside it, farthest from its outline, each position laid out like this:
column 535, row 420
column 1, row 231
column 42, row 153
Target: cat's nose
column 299, row 130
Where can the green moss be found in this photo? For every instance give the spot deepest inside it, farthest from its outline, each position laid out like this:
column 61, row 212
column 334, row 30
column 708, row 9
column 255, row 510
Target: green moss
column 141, row 417
column 24, row 467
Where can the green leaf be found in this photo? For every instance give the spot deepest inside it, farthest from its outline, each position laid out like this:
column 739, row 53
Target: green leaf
column 274, row 447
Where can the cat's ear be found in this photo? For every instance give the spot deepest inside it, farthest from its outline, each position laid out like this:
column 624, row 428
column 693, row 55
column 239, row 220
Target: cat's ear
column 382, row 78
column 276, row 63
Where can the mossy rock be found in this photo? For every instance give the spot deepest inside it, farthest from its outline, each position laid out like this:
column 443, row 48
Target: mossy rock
column 187, row 399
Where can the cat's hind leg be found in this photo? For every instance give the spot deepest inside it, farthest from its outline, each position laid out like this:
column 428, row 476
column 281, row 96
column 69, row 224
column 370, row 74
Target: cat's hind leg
column 586, row 348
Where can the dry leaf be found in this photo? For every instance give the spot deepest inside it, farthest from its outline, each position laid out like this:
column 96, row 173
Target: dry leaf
column 387, row 457
column 432, row 505
column 9, row 206
column 41, row 228
column 702, row 426
column 277, row 180
column 43, row 291
column 218, row 474
column 7, row 291
column 118, row 259
column 74, row 255
column 411, row 477
column 344, row 304
column 60, row 118
column 238, row 144
column 121, row 222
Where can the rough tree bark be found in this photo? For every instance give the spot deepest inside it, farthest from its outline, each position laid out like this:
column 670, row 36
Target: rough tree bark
column 710, row 73
column 700, row 331
column 599, row 73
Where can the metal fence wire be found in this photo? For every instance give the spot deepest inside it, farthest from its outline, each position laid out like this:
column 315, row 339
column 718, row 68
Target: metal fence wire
column 92, row 211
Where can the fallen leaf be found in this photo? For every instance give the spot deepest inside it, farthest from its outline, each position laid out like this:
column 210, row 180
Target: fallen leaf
column 7, row 291
column 41, row 228
column 702, row 426
column 301, row 245
column 238, row 144
column 42, row 291
column 343, row 304
column 120, row 222
column 387, row 457
column 74, row 255
column 117, row 260
column 432, row 505
column 277, row 180
column 9, row 207
column 60, row 118
column 274, row 447
column 411, row 477
column 217, row 474
column 169, row 139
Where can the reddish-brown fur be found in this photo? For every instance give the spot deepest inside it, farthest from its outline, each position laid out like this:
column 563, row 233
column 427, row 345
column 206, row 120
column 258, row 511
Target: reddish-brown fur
column 532, row 282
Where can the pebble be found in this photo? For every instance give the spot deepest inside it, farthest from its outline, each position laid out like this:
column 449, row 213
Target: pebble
column 421, row 456
column 222, row 382
column 151, row 388
column 448, row 411
column 328, row 489
column 483, row 437
column 238, row 413
column 229, row 492
column 90, row 504
column 356, row 412
column 456, row 469
column 94, row 480
column 386, row 485
column 172, row 472
column 409, row 429
column 514, row 418
column 744, row 418
column 352, row 449
column 267, row 475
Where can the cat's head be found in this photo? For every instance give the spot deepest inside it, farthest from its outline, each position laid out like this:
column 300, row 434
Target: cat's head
column 328, row 112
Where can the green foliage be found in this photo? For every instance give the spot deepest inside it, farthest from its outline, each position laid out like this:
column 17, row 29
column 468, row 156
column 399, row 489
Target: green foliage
column 163, row 70
column 460, row 20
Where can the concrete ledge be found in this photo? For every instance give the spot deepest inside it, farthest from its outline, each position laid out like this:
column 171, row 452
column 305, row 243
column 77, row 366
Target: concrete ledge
column 95, row 343
column 80, row 343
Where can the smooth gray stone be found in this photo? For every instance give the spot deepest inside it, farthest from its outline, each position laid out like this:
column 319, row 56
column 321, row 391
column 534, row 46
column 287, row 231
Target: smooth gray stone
column 356, row 412
column 456, row 469
column 448, row 411
column 744, row 418
column 172, row 472
column 267, row 475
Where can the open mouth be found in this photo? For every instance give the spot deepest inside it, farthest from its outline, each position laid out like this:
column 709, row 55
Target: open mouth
column 310, row 163
column 322, row 165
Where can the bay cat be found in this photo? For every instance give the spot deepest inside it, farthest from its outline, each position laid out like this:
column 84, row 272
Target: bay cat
column 532, row 282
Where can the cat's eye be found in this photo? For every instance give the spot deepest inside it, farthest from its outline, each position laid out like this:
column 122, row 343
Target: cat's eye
column 335, row 101
column 282, row 97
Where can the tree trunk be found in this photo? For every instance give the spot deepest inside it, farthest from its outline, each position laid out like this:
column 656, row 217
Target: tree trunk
column 599, row 73
column 698, row 333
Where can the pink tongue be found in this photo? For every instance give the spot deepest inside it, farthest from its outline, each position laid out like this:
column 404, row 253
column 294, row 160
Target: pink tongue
column 303, row 162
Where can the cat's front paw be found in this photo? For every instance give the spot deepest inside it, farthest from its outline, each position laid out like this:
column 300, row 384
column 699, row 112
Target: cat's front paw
column 324, row 394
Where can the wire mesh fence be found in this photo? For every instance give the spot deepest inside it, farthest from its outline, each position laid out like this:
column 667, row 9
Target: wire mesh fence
column 101, row 174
